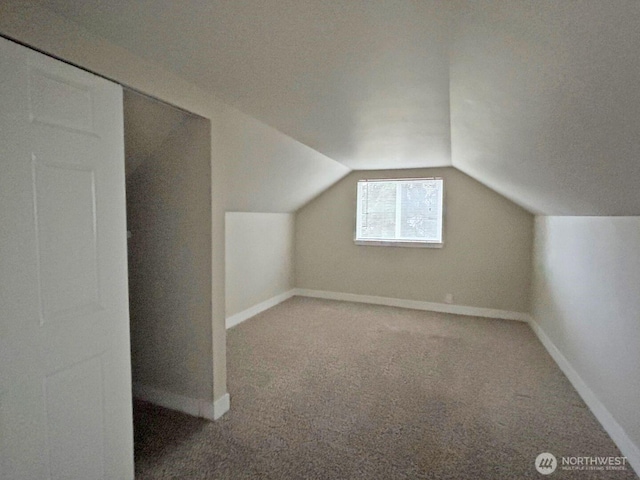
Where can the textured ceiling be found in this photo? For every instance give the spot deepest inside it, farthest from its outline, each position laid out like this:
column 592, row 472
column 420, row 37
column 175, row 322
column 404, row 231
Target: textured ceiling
column 537, row 100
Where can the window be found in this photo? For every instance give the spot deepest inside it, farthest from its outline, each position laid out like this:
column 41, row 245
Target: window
column 406, row 212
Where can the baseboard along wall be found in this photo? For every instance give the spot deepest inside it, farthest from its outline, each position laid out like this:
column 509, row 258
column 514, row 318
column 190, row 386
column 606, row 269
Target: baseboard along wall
column 240, row 317
column 415, row 304
column 617, row 433
column 608, row 422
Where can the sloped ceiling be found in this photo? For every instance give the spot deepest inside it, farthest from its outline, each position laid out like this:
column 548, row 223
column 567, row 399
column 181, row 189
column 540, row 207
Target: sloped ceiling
column 266, row 171
column 545, row 103
column 363, row 82
column 538, row 100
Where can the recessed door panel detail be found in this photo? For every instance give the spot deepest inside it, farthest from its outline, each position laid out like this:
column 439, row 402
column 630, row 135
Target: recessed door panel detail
column 75, row 421
column 64, row 336
column 66, row 229
column 60, row 102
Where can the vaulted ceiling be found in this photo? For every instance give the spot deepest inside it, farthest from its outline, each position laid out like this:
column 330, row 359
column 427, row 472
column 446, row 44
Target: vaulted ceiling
column 539, row 100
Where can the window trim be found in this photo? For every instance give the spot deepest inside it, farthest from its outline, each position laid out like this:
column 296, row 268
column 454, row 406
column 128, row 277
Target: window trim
column 399, row 243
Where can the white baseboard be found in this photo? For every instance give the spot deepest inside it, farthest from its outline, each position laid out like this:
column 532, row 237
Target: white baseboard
column 611, row 426
column 415, row 304
column 221, row 406
column 628, row 448
column 234, row 320
column 192, row 406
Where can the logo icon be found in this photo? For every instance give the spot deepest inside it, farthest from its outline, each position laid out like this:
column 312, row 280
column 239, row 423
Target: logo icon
column 546, row 463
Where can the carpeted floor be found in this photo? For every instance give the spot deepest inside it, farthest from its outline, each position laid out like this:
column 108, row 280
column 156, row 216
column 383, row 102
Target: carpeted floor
column 333, row 390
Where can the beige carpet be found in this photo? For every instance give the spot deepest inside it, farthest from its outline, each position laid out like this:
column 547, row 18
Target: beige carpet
column 332, row 390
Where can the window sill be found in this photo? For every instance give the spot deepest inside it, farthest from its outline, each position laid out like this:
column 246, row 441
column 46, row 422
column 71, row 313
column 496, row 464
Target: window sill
column 389, row 243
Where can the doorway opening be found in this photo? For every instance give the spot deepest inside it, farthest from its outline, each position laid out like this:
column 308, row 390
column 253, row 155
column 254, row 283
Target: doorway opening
column 168, row 191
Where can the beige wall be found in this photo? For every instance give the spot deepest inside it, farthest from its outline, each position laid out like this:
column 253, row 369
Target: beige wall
column 259, row 258
column 485, row 262
column 586, row 299
column 169, row 217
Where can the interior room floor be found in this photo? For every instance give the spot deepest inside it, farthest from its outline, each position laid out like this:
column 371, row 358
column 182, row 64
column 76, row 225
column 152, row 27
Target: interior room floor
column 334, row 390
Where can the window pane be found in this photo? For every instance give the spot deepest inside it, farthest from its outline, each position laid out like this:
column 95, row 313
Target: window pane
column 419, row 215
column 378, row 210
column 400, row 210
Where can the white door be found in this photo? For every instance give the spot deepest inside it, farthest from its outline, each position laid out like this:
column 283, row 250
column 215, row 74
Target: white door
column 65, row 373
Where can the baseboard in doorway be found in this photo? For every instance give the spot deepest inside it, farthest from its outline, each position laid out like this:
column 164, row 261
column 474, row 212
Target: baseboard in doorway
column 221, row 406
column 191, row 406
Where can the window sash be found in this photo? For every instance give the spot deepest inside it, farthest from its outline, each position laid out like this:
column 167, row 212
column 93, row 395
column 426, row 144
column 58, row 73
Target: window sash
column 365, row 212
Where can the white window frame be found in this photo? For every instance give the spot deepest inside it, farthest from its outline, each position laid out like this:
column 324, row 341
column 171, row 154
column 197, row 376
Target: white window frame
column 400, row 242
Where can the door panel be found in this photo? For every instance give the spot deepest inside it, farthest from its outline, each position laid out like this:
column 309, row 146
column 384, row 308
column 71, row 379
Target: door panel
column 65, row 214
column 65, row 379
column 75, row 427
